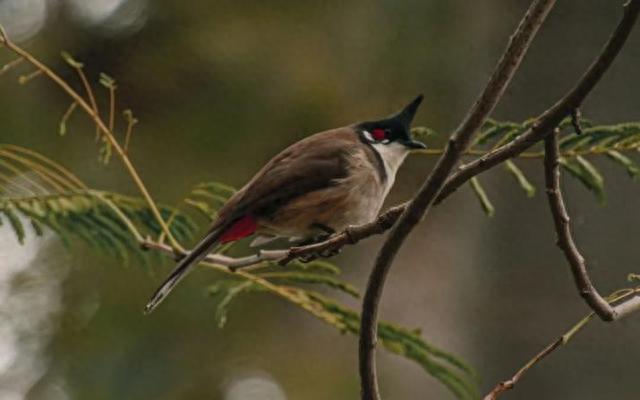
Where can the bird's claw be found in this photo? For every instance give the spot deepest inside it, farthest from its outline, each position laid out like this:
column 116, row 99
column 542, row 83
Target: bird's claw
column 330, row 252
column 307, row 258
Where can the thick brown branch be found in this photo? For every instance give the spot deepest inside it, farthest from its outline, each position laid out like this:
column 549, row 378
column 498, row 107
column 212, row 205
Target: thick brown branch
column 420, row 205
column 548, row 120
column 545, row 123
column 351, row 235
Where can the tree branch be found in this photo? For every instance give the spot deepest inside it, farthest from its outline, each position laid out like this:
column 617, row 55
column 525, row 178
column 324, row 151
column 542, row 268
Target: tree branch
column 510, row 383
column 232, row 263
column 544, row 124
column 549, row 119
column 93, row 114
column 565, row 241
column 563, row 229
column 421, row 203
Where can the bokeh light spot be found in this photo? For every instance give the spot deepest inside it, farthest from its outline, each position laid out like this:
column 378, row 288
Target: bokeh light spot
column 254, row 388
column 22, row 19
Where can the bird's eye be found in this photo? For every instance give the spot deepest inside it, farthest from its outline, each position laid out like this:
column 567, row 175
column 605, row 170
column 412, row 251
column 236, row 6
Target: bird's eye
column 379, row 134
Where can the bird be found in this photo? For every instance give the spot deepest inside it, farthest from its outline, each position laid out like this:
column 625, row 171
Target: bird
column 314, row 188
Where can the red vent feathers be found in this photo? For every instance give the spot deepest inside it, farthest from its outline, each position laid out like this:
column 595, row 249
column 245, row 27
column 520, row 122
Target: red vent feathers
column 242, row 228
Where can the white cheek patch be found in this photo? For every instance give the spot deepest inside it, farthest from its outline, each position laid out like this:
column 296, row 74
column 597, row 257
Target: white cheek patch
column 368, row 136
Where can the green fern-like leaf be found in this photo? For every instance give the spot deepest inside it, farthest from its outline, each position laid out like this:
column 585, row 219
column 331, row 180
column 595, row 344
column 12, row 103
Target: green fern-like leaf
column 629, row 165
column 454, row 373
column 227, row 290
column 296, row 277
column 40, row 192
column 520, row 178
column 587, row 174
column 482, row 197
column 208, row 197
column 618, row 142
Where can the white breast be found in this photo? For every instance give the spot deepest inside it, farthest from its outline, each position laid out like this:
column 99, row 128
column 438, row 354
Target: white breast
column 392, row 154
column 364, row 185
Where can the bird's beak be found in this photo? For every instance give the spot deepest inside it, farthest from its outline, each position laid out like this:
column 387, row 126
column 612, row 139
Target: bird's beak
column 414, row 144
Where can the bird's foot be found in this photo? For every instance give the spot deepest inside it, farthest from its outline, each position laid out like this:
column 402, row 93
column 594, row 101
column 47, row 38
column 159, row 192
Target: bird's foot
column 330, row 252
column 320, row 254
column 307, row 258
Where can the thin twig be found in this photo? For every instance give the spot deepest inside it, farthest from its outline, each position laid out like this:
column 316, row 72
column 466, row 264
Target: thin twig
column 24, row 79
column 297, row 297
column 422, row 202
column 5, row 68
column 91, row 111
column 131, row 122
column 89, row 93
column 45, row 175
column 575, row 120
column 26, row 177
column 74, row 181
column 234, row 264
column 503, row 386
column 112, row 106
column 62, row 126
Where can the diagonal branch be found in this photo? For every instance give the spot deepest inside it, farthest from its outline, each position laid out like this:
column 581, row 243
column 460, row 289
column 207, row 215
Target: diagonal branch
column 93, row 114
column 563, row 229
column 510, row 383
column 233, row 264
column 566, row 243
column 549, row 119
column 543, row 125
column 422, row 202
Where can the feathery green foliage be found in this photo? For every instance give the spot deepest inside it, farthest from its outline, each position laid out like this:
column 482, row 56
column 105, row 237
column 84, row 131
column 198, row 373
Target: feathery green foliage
column 208, row 197
column 37, row 189
column 40, row 192
column 454, row 373
column 616, row 142
column 482, row 197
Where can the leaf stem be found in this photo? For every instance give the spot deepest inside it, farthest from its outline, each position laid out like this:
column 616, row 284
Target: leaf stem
column 91, row 110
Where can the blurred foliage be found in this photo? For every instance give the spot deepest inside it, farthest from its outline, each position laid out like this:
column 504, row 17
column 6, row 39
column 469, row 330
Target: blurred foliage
column 452, row 372
column 49, row 195
column 44, row 193
column 456, row 375
column 227, row 62
column 612, row 141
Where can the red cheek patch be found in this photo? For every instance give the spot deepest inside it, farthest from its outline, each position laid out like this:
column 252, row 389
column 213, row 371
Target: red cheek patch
column 378, row 134
column 242, row 228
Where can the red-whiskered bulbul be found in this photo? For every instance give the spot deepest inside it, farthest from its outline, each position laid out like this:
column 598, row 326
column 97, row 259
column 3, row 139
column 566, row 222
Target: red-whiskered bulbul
column 317, row 186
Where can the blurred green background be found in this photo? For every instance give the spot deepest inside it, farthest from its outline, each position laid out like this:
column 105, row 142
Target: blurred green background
column 219, row 87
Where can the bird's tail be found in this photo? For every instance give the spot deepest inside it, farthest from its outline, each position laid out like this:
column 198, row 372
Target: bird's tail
column 194, row 257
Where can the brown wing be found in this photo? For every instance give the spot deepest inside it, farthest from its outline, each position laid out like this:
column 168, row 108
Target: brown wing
column 310, row 164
